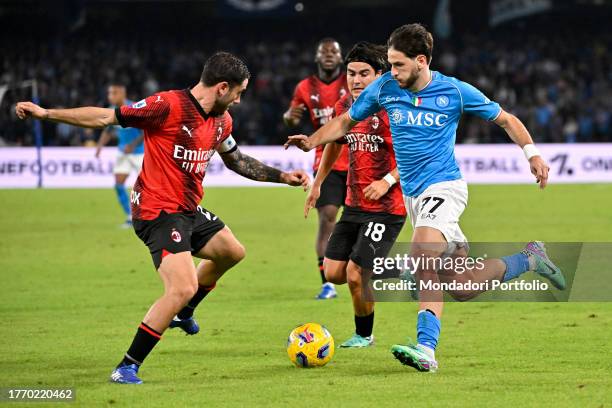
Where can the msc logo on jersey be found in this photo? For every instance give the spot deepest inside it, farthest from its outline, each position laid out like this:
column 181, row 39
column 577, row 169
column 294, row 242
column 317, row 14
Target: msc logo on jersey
column 396, row 116
column 426, row 119
column 442, row 101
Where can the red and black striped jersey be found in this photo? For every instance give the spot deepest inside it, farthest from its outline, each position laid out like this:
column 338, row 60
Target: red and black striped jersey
column 319, row 98
column 371, row 157
column 180, row 139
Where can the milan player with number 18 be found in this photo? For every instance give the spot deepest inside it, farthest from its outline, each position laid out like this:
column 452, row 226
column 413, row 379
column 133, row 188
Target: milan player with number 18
column 182, row 130
column 374, row 211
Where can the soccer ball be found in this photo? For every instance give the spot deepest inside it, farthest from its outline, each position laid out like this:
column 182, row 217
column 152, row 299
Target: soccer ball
column 310, row 345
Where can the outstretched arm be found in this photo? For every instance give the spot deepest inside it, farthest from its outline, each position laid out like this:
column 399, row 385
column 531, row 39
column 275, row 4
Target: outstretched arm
column 330, row 155
column 253, row 169
column 87, row 117
column 330, row 132
column 520, row 135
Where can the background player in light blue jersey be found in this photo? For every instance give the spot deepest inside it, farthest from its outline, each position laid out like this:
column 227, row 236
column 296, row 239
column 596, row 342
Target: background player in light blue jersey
column 131, row 149
column 424, row 108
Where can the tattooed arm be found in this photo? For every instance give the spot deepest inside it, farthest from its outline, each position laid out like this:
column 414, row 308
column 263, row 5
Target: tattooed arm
column 253, row 169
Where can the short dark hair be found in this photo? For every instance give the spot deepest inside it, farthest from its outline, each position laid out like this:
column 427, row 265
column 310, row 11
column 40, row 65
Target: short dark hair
column 118, row 84
column 412, row 40
column 373, row 54
column 224, row 67
column 327, row 40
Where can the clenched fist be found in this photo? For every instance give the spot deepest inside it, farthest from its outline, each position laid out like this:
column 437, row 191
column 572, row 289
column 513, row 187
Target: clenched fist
column 28, row 109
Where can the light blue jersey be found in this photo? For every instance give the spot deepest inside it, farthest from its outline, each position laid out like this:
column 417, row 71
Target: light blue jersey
column 424, row 125
column 128, row 135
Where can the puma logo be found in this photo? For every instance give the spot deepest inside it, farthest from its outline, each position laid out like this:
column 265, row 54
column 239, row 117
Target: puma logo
column 186, row 129
column 315, row 97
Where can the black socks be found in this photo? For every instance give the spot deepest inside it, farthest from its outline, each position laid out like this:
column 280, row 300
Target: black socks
column 146, row 338
column 187, row 311
column 321, row 270
column 364, row 325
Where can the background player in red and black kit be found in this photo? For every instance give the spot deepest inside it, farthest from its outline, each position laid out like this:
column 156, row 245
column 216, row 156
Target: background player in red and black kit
column 374, row 211
column 183, row 130
column 318, row 94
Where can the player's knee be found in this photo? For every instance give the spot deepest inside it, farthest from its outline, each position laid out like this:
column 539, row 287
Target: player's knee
column 329, row 221
column 236, row 253
column 327, row 215
column 332, row 277
column 353, row 275
column 183, row 293
column 335, row 275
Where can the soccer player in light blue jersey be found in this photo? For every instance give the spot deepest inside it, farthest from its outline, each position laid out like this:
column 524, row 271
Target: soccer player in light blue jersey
column 424, row 108
column 131, row 150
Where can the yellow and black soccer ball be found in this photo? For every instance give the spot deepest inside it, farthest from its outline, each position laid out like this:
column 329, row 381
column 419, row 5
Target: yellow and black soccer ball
column 310, row 345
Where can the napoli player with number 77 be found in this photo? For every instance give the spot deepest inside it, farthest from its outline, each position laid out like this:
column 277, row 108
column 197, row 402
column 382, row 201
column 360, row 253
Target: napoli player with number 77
column 424, row 109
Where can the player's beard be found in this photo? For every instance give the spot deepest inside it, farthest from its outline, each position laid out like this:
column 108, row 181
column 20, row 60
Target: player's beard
column 220, row 107
column 408, row 82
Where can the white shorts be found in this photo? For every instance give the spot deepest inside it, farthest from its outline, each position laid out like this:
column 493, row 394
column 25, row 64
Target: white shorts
column 127, row 163
column 440, row 206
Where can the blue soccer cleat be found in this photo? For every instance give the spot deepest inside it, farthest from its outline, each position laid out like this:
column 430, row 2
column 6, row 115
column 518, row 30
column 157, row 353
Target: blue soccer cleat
column 328, row 291
column 189, row 326
column 126, row 374
column 415, row 356
column 542, row 265
column 357, row 341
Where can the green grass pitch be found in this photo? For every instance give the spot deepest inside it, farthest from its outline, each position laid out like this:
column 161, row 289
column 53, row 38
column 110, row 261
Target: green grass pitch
column 74, row 288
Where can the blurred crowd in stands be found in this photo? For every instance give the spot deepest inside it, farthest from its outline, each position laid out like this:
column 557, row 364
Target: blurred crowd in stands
column 560, row 85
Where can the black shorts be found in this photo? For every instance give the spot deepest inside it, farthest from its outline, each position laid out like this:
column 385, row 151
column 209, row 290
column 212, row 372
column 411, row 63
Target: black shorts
column 362, row 236
column 333, row 189
column 177, row 232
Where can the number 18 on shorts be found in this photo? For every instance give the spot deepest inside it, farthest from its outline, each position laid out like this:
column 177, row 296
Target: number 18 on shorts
column 363, row 236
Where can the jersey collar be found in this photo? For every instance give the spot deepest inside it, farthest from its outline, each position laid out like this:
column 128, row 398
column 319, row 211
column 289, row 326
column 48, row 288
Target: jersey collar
column 431, row 78
column 197, row 105
column 331, row 81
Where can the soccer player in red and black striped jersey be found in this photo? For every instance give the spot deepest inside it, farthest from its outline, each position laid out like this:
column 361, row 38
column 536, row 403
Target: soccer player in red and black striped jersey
column 374, row 211
column 182, row 130
column 318, row 95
